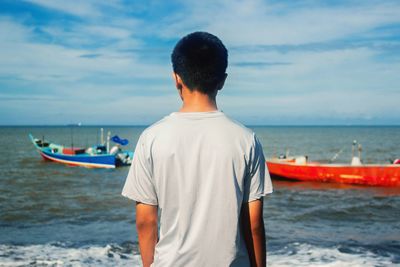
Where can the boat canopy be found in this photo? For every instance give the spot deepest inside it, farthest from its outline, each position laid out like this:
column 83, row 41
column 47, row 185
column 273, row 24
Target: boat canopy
column 118, row 140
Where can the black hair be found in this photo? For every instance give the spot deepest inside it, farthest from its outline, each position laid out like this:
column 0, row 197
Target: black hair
column 200, row 59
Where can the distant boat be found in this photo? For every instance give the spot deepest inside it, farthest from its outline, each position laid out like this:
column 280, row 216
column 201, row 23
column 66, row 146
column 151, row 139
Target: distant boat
column 298, row 168
column 93, row 157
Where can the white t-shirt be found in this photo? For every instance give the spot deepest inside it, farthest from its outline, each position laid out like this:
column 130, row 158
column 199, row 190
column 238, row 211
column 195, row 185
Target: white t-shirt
column 199, row 168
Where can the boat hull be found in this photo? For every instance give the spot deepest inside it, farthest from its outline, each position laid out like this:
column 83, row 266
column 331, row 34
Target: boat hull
column 373, row 175
column 99, row 161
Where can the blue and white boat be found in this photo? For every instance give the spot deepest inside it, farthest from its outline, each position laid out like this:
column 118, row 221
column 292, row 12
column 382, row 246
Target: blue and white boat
column 98, row 156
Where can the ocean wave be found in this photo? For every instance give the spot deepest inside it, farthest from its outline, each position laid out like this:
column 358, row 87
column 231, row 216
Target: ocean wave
column 57, row 254
column 302, row 254
column 295, row 254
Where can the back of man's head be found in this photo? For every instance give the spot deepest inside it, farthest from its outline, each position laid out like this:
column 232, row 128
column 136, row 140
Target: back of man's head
column 200, row 59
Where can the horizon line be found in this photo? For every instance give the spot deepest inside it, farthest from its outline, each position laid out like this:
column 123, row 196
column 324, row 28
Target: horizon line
column 248, row 125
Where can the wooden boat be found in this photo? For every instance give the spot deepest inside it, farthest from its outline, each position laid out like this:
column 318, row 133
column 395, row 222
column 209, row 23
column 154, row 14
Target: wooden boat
column 93, row 157
column 298, row 168
column 369, row 174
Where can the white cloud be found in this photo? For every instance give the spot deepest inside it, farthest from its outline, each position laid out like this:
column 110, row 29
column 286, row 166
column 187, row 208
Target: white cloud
column 46, row 62
column 116, row 110
column 77, row 8
column 257, row 22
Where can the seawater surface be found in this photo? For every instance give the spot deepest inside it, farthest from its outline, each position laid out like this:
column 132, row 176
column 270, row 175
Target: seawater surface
column 55, row 215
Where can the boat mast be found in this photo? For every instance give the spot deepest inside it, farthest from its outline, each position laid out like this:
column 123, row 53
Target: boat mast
column 97, row 138
column 102, row 136
column 353, row 148
column 108, row 141
column 72, row 137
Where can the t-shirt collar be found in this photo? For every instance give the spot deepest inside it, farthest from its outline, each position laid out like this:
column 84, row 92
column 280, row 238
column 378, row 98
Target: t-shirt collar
column 202, row 114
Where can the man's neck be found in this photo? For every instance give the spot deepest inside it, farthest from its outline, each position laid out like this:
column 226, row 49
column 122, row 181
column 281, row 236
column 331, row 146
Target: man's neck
column 194, row 101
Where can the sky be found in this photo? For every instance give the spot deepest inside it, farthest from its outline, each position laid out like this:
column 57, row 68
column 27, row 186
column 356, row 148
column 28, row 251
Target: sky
column 290, row 62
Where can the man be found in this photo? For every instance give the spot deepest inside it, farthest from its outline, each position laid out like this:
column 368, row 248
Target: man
column 204, row 172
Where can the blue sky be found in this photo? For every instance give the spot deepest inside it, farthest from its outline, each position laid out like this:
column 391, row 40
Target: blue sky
column 290, row 62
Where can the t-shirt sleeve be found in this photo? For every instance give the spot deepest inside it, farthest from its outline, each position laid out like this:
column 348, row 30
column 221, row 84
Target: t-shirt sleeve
column 258, row 181
column 139, row 184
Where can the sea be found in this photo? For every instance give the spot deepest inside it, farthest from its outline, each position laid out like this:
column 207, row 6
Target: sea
column 57, row 215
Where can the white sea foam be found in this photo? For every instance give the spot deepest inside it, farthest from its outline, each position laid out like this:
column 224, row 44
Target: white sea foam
column 311, row 256
column 55, row 255
column 293, row 255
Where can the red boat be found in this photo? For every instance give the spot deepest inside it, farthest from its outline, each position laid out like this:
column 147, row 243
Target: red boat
column 375, row 175
column 357, row 173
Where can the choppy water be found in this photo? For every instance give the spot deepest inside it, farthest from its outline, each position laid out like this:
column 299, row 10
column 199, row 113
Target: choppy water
column 54, row 215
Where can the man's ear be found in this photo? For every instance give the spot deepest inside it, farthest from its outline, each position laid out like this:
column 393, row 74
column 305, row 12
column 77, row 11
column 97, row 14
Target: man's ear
column 178, row 84
column 178, row 81
column 221, row 84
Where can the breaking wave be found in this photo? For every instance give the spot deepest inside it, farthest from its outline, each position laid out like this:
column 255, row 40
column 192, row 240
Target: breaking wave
column 296, row 254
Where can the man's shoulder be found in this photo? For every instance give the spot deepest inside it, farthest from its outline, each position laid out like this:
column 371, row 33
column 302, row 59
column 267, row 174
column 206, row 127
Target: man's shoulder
column 239, row 126
column 237, row 131
column 156, row 127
